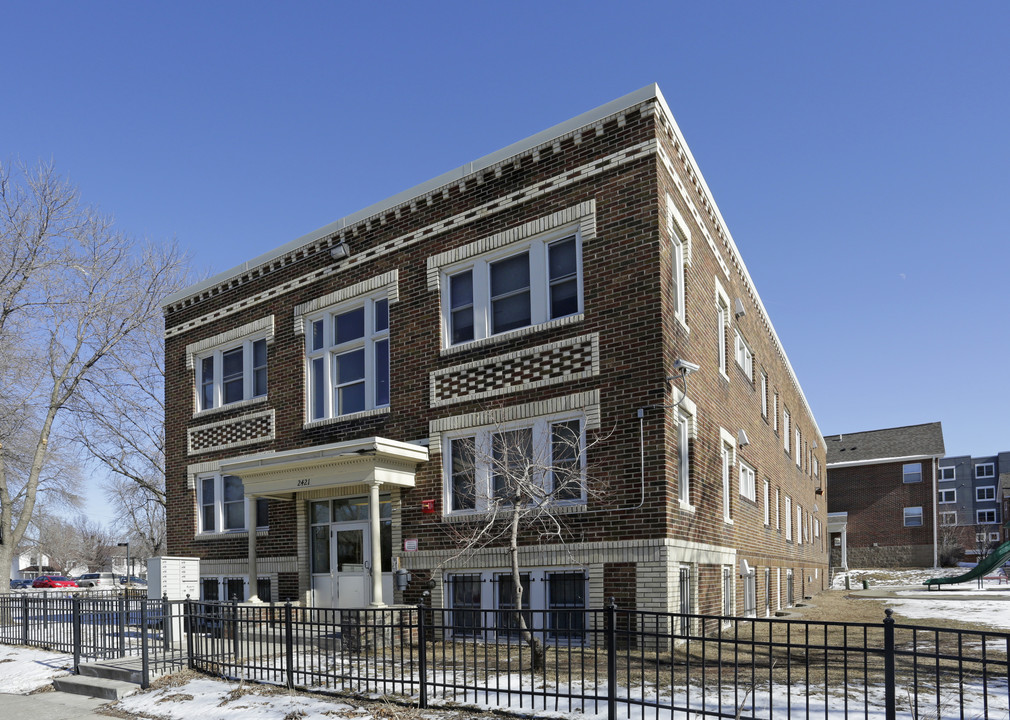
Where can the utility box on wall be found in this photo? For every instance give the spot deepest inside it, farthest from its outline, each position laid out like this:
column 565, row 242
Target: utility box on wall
column 175, row 577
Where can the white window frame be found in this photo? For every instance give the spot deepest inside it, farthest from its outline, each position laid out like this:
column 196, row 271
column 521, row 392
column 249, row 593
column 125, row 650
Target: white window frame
column 684, row 425
column 322, row 355
column 775, row 416
column 778, row 515
column 799, row 447
column 679, row 259
column 799, row 524
column 764, row 394
column 728, row 461
column 748, row 482
column 539, row 287
column 218, row 506
column 789, row 519
column 985, row 493
column 948, row 518
column 985, row 470
column 994, row 537
column 767, row 503
column 990, row 513
column 943, row 473
column 785, row 429
column 722, row 328
column 947, row 496
column 248, row 375
column 483, row 475
column 744, row 356
column 911, row 513
column 907, row 472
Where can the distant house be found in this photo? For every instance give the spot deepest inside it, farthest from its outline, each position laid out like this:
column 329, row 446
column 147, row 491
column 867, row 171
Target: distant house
column 881, row 490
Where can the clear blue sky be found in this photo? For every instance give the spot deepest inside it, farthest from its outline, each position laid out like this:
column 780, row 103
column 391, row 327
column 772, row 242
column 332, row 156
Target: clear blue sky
column 859, row 151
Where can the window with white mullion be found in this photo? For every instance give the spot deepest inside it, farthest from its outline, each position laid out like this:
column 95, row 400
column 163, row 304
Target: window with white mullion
column 543, row 461
column 508, row 290
column 348, row 351
column 232, row 374
column 224, row 506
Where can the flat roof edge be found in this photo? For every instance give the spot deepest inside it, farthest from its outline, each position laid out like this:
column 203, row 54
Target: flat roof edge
column 641, row 95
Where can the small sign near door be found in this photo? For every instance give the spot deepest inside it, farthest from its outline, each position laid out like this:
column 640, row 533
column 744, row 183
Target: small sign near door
column 410, row 545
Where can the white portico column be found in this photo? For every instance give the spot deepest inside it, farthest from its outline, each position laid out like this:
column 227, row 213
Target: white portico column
column 376, row 535
column 845, row 547
column 253, row 568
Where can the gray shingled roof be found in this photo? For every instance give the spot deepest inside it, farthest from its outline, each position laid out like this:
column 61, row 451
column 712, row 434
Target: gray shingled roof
column 909, row 441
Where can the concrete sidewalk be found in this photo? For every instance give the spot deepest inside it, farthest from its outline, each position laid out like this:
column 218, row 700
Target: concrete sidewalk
column 51, row 706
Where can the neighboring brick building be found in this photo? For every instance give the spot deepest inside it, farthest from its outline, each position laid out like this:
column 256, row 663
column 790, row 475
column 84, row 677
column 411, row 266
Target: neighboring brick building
column 885, row 481
column 339, row 388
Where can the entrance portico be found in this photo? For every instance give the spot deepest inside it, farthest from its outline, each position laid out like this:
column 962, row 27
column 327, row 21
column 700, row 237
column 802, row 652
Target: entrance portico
column 374, row 463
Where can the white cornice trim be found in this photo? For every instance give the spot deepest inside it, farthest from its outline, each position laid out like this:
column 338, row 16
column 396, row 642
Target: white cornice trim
column 546, row 140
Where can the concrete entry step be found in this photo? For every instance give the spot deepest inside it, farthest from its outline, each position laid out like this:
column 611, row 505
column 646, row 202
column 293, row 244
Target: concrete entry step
column 95, row 687
column 131, row 669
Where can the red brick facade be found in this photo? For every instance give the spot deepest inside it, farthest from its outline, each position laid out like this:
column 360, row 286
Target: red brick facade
column 609, row 180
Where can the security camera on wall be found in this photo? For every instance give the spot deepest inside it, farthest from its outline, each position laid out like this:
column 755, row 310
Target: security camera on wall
column 683, row 366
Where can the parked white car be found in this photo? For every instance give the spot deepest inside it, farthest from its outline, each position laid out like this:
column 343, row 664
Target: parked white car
column 98, row 580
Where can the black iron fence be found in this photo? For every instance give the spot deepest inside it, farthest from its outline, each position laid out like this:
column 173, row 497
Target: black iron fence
column 622, row 663
column 99, row 625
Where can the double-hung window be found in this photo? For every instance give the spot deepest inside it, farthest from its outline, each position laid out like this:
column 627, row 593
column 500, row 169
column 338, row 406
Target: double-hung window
column 348, row 357
column 948, row 496
column 767, row 502
column 789, row 518
column 727, row 466
column 224, row 507
column 679, row 242
column 986, row 493
column 541, row 462
column 722, row 320
column 911, row 473
column 684, row 460
column 913, row 516
column 748, row 483
column 785, row 430
column 530, row 285
column 948, row 518
column 744, row 356
column 764, row 394
column 232, row 373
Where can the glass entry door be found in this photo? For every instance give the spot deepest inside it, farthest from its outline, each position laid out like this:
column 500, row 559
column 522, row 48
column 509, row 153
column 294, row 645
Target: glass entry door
column 350, row 550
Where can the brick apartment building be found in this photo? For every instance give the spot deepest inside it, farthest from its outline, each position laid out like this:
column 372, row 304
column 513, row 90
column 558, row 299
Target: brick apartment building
column 881, row 489
column 337, row 392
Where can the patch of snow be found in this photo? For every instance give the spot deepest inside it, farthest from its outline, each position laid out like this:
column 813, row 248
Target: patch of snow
column 23, row 669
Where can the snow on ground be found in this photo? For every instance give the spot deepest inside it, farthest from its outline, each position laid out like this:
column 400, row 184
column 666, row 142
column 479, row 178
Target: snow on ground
column 25, row 669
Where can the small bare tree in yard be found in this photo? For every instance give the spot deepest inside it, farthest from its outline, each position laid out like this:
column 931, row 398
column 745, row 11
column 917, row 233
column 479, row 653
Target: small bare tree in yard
column 73, row 291
column 518, row 480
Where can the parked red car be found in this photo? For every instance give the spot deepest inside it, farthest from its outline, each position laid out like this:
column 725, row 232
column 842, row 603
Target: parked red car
column 53, row 581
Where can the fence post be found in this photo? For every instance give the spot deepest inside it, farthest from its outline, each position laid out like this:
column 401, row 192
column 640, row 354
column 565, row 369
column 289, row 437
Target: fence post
column 234, row 630
column 145, row 660
column 166, row 623
column 124, row 606
column 889, row 679
column 422, row 661
column 289, row 645
column 24, row 620
column 611, row 630
column 75, row 605
column 187, row 619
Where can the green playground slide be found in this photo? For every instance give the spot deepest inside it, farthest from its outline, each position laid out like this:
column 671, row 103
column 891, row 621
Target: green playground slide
column 996, row 558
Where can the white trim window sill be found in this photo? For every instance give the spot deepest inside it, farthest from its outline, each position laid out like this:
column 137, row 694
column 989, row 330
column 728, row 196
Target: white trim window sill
column 512, row 334
column 260, row 532
column 346, row 418
column 464, row 516
column 687, row 507
column 241, row 404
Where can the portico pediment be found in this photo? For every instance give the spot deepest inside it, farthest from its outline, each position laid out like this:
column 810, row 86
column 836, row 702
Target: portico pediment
column 354, row 462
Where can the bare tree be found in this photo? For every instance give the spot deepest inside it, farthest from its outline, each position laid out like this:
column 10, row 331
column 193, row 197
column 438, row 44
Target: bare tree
column 72, row 291
column 518, row 481
column 120, row 424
